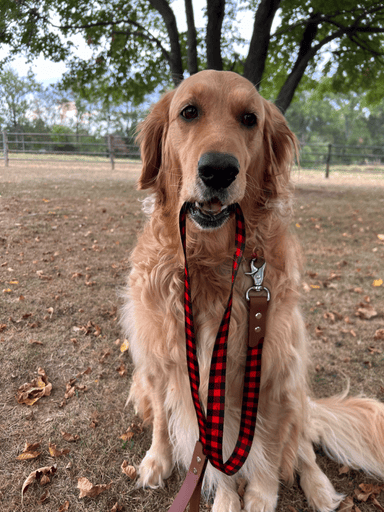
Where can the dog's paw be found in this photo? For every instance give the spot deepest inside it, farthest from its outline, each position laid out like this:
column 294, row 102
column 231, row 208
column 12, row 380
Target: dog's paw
column 154, row 469
column 259, row 501
column 226, row 500
column 319, row 491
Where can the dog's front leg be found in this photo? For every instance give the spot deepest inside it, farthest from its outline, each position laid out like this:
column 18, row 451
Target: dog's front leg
column 158, row 463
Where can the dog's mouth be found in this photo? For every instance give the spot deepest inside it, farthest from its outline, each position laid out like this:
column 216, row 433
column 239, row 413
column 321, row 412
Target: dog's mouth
column 210, row 214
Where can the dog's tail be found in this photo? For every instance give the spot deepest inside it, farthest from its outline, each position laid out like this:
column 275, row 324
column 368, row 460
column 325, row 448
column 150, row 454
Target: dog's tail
column 350, row 430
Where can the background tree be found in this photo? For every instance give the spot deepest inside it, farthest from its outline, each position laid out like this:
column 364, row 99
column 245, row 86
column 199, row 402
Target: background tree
column 137, row 45
column 15, row 98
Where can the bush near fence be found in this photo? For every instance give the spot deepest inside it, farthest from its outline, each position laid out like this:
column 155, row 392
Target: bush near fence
column 89, row 147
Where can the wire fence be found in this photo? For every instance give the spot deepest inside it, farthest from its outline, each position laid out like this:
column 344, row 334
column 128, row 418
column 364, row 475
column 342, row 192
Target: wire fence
column 80, row 147
column 68, row 146
column 318, row 155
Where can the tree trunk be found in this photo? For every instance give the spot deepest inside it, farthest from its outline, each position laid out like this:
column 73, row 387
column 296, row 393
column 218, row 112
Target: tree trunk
column 191, row 38
column 168, row 16
column 258, row 48
column 306, row 53
column 215, row 11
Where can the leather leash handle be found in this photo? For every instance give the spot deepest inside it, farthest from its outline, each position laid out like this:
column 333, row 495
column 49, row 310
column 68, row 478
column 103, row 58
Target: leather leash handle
column 191, row 489
column 258, row 308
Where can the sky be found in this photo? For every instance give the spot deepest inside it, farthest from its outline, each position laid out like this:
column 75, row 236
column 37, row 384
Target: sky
column 48, row 72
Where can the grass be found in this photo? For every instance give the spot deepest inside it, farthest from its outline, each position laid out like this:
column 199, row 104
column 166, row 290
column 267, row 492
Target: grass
column 66, row 233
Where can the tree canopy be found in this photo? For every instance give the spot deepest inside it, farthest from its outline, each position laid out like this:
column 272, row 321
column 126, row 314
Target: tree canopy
column 137, row 46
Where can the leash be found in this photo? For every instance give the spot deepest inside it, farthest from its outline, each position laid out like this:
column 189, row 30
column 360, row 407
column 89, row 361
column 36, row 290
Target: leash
column 209, row 446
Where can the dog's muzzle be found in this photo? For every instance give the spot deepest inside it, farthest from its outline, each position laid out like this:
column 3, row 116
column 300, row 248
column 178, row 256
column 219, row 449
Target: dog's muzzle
column 211, row 214
column 216, row 171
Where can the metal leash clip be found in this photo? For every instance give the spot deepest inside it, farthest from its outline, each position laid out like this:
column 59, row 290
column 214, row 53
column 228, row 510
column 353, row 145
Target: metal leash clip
column 257, row 275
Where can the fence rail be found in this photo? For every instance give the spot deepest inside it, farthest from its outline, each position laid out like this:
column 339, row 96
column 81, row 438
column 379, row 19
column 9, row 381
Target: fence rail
column 20, row 146
column 81, row 147
column 318, row 155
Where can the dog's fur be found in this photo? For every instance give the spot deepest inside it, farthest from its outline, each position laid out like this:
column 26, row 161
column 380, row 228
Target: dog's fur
column 351, row 430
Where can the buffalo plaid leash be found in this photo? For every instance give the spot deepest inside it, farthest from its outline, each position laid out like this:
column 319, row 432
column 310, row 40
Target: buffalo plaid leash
column 210, row 443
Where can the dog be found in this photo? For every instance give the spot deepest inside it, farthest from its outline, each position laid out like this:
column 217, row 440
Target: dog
column 211, row 143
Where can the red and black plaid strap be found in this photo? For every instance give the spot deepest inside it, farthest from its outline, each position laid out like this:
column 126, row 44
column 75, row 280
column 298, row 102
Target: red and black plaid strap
column 211, row 427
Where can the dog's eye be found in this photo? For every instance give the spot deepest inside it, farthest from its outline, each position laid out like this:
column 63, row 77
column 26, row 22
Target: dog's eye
column 248, row 120
column 189, row 112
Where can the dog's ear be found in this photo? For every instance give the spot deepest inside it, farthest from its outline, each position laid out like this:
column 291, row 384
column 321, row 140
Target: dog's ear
column 151, row 134
column 280, row 145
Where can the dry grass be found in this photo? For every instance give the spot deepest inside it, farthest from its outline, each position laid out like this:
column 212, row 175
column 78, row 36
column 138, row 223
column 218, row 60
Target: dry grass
column 66, row 234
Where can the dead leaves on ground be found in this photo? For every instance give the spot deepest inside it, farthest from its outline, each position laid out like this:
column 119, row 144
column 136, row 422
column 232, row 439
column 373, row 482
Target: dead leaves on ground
column 30, row 451
column 365, row 493
column 90, row 490
column 55, row 452
column 365, row 311
column 128, row 470
column 41, row 474
column 30, row 392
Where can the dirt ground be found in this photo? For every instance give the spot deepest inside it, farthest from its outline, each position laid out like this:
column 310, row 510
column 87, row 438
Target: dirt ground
column 66, row 232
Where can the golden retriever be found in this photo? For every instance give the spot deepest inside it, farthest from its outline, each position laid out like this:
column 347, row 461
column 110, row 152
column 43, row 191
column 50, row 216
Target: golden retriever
column 212, row 142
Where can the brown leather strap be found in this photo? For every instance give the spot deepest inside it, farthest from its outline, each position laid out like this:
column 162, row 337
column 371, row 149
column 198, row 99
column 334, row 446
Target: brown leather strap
column 258, row 307
column 191, row 489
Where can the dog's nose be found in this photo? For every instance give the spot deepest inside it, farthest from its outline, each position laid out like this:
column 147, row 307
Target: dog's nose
column 218, row 170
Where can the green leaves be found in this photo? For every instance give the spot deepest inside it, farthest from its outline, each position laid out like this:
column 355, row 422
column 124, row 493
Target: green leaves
column 133, row 49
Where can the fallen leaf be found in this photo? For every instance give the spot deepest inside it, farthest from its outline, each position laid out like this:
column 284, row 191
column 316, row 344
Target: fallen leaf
column 346, row 505
column 44, row 496
column 64, row 507
column 127, row 436
column 124, row 346
column 122, row 370
column 104, row 354
column 54, row 452
column 377, row 282
column 116, row 508
column 329, row 316
column 35, row 342
column 344, row 470
column 379, row 334
column 36, row 475
column 380, row 237
column 366, row 491
column 85, row 372
column 377, row 504
column 29, row 452
column 374, row 350
column 44, row 480
column 70, row 437
column 90, row 490
column 30, row 392
column 365, row 311
column 128, row 470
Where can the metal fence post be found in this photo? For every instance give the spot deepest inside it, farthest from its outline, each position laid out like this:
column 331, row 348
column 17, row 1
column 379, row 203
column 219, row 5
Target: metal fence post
column 110, row 147
column 328, row 161
column 5, row 148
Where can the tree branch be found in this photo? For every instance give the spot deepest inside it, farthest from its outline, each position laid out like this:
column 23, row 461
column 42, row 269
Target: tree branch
column 163, row 8
column 306, row 53
column 215, row 11
column 191, row 38
column 258, row 48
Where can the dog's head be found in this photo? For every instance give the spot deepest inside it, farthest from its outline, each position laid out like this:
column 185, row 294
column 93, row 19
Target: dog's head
column 212, row 142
